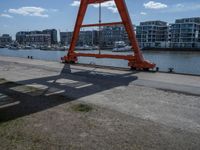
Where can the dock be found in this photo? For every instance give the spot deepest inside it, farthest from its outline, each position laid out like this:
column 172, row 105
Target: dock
column 134, row 110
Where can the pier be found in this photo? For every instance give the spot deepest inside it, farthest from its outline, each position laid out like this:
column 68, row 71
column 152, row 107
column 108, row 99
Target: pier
column 144, row 104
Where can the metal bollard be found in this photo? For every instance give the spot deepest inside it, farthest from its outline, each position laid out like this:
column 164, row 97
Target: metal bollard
column 171, row 70
column 157, row 69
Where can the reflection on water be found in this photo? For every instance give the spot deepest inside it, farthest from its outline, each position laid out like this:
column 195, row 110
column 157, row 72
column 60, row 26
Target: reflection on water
column 182, row 62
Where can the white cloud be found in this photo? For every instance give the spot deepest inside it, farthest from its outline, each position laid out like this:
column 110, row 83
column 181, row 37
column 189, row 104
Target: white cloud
column 143, row 13
column 110, row 5
column 75, row 3
column 179, row 5
column 183, row 7
column 155, row 5
column 30, row 11
column 53, row 10
column 113, row 9
column 6, row 16
column 106, row 4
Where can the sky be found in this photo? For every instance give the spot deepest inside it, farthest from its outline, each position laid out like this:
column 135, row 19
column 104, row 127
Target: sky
column 27, row 15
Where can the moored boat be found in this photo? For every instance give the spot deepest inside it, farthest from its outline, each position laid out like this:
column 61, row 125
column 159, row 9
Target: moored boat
column 120, row 46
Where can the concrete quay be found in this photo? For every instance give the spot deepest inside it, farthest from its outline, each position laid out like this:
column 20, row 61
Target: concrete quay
column 168, row 100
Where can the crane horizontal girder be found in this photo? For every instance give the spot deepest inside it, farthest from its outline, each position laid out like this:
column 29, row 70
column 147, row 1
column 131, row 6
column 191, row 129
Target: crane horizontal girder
column 97, row 1
column 103, row 24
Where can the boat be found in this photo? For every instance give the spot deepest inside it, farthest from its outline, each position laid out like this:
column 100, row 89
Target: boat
column 45, row 48
column 14, row 48
column 84, row 47
column 64, row 48
column 120, row 46
column 27, row 47
column 122, row 49
column 94, row 47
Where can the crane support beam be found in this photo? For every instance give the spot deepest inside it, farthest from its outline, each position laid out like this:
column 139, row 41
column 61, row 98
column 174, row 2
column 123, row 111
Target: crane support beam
column 125, row 57
column 134, row 61
column 97, row 1
column 102, row 24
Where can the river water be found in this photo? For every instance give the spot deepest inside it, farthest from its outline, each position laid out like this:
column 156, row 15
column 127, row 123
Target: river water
column 182, row 62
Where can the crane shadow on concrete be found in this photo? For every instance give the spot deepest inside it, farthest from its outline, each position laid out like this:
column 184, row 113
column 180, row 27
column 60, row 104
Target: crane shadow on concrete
column 38, row 94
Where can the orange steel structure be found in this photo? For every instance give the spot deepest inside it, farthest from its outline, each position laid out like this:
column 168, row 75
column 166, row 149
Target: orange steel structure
column 136, row 61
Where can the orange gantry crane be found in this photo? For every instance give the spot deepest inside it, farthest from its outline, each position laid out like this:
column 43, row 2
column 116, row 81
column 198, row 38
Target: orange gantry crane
column 135, row 61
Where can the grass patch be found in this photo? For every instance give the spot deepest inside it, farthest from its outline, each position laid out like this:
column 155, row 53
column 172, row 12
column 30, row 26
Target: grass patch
column 2, row 81
column 82, row 108
column 5, row 82
column 15, row 134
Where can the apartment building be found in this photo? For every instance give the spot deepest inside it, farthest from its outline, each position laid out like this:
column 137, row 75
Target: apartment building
column 65, row 38
column 40, row 38
column 85, row 38
column 53, row 34
column 185, row 33
column 111, row 34
column 151, row 34
column 5, row 39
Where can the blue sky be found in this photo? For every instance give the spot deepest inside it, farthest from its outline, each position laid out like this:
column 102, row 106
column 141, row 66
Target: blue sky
column 25, row 15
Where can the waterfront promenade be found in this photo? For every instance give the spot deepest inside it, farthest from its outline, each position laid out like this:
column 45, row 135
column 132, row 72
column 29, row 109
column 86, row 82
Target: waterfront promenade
column 132, row 110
